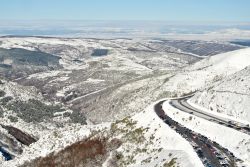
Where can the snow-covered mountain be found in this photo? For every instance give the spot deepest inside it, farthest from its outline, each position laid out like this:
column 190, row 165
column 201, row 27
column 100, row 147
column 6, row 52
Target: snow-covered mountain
column 113, row 71
column 85, row 99
column 26, row 116
column 230, row 95
column 208, row 71
column 120, row 78
column 127, row 142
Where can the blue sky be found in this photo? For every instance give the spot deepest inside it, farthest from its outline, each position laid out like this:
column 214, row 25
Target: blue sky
column 166, row 10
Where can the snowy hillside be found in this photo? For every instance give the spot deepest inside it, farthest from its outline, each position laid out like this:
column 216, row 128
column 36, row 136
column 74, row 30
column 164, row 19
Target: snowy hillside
column 113, row 71
column 85, row 99
column 25, row 117
column 130, row 142
column 18, row 91
column 230, row 95
column 207, row 71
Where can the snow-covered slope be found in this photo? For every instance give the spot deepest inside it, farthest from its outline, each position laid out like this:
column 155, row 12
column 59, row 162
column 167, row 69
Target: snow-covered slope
column 208, row 71
column 237, row 142
column 133, row 142
column 25, row 117
column 230, row 95
column 19, row 92
column 82, row 77
column 106, row 88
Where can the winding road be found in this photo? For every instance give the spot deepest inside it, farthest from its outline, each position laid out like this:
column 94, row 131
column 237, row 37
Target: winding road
column 210, row 153
column 183, row 105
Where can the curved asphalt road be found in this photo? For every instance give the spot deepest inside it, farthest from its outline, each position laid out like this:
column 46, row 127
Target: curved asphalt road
column 210, row 153
column 182, row 105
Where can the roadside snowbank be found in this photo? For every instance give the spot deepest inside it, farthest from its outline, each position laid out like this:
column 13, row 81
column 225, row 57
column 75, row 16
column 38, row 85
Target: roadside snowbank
column 162, row 136
column 235, row 141
column 229, row 96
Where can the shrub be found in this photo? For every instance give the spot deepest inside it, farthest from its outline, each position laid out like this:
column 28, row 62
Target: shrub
column 5, row 100
column 1, row 112
column 171, row 163
column 12, row 118
column 2, row 93
column 78, row 117
column 119, row 156
column 33, row 110
column 66, row 114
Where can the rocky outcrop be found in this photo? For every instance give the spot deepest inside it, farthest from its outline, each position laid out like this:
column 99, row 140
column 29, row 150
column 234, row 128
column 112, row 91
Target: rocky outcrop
column 20, row 136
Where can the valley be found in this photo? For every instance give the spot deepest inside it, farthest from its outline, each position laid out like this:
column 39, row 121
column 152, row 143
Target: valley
column 93, row 100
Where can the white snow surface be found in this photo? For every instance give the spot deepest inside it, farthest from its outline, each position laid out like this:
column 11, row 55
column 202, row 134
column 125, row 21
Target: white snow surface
column 165, row 145
column 192, row 78
column 163, row 137
column 230, row 96
column 208, row 71
column 23, row 93
column 53, row 141
column 43, row 75
column 235, row 141
column 222, row 115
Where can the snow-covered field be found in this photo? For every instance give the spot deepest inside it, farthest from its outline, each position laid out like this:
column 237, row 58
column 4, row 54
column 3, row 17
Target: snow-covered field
column 113, row 89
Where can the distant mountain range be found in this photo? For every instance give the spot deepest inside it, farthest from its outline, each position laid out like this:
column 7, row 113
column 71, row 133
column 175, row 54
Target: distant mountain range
column 115, row 29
